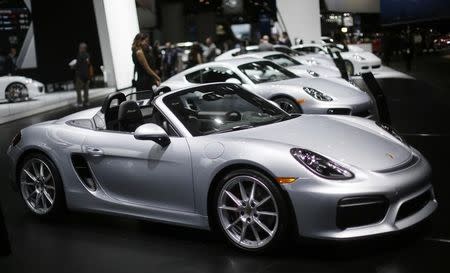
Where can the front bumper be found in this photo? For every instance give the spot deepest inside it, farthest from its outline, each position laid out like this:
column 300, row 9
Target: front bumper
column 366, row 66
column 315, row 202
column 360, row 107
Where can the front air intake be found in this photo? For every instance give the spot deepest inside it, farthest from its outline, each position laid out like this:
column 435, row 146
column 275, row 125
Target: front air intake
column 83, row 171
column 361, row 211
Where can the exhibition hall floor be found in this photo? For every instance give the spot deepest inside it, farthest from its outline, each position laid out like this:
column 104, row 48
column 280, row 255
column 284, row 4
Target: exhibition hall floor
column 81, row 242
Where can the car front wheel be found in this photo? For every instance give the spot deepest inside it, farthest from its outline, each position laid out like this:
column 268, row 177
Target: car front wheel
column 288, row 105
column 15, row 91
column 40, row 186
column 250, row 211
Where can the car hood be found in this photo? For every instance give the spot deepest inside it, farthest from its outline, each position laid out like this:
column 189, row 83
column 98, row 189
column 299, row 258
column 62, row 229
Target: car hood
column 368, row 56
column 349, row 140
column 322, row 71
column 334, row 89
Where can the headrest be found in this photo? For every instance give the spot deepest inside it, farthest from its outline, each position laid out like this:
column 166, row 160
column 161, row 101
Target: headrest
column 129, row 110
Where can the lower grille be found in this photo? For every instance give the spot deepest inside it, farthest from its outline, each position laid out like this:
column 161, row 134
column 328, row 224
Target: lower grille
column 361, row 211
column 362, row 114
column 414, row 205
column 338, row 111
column 376, row 66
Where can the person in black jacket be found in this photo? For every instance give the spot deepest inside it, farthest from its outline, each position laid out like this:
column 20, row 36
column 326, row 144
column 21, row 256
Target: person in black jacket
column 82, row 75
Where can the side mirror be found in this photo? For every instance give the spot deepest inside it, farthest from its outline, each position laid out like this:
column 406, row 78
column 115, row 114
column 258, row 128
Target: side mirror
column 152, row 132
column 233, row 80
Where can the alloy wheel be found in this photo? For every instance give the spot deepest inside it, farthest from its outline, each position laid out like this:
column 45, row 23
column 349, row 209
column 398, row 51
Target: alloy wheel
column 248, row 211
column 37, row 185
column 15, row 91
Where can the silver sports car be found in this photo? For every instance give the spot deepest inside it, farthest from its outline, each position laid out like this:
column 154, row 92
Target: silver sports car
column 219, row 157
column 292, row 93
column 295, row 66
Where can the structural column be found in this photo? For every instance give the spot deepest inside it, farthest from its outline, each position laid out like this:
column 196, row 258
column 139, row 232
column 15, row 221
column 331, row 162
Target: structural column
column 117, row 25
column 300, row 18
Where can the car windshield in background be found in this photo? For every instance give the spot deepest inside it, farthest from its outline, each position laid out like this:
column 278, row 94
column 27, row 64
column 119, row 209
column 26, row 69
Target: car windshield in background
column 260, row 72
column 221, row 108
column 282, row 60
column 336, row 48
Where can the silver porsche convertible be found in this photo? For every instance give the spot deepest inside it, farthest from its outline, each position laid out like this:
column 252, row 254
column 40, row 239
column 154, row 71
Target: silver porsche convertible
column 220, row 157
column 293, row 93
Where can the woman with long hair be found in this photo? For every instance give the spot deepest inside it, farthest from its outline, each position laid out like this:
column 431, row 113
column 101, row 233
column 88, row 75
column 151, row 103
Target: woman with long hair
column 195, row 56
column 143, row 62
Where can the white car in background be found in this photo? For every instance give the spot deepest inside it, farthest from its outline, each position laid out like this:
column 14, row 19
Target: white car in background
column 292, row 93
column 305, row 59
column 18, row 88
column 295, row 66
column 356, row 60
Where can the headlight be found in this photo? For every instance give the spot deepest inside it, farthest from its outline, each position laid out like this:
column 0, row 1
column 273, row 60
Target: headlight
column 390, row 130
column 317, row 94
column 358, row 58
column 320, row 165
column 312, row 73
column 28, row 81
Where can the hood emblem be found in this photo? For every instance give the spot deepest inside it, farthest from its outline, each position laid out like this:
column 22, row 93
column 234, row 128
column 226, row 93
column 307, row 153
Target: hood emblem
column 391, row 156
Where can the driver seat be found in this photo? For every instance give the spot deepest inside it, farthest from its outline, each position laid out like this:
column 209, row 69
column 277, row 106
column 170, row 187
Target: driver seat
column 130, row 116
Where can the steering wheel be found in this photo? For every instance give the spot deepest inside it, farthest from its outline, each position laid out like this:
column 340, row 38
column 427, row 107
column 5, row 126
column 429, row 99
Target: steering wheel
column 233, row 116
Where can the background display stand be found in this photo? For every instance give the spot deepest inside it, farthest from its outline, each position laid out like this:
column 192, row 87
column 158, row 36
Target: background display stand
column 380, row 99
column 5, row 248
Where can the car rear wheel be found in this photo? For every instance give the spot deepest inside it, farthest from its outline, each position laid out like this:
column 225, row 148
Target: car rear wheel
column 250, row 211
column 15, row 91
column 41, row 186
column 349, row 67
column 288, row 105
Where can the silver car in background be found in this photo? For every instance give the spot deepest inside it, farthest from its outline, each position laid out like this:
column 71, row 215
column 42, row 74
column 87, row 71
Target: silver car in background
column 312, row 60
column 219, row 157
column 295, row 66
column 292, row 93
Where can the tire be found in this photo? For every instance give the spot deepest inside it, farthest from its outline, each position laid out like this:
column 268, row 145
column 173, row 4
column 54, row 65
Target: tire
column 14, row 91
column 41, row 186
column 288, row 105
column 256, row 225
column 349, row 67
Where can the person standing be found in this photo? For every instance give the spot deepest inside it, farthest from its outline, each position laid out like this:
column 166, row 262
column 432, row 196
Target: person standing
column 83, row 74
column 210, row 53
column 157, row 57
column 169, row 61
column 285, row 40
column 195, row 56
column 142, row 59
column 11, row 61
column 265, row 44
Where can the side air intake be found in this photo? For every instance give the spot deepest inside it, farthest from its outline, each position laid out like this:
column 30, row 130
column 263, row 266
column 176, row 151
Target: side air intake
column 84, row 172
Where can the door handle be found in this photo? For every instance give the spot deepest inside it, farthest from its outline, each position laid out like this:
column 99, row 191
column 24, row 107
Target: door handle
column 93, row 151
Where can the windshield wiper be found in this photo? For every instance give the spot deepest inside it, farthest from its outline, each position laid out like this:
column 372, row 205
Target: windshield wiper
column 234, row 128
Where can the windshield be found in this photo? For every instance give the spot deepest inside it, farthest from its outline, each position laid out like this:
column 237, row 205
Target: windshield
column 282, row 60
column 213, row 109
column 288, row 51
column 336, row 48
column 260, row 72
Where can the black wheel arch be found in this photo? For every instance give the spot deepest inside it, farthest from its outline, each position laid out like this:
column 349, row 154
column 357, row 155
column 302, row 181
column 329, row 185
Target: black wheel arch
column 284, row 96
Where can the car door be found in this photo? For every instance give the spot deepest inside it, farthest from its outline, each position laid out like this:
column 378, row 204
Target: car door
column 141, row 171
